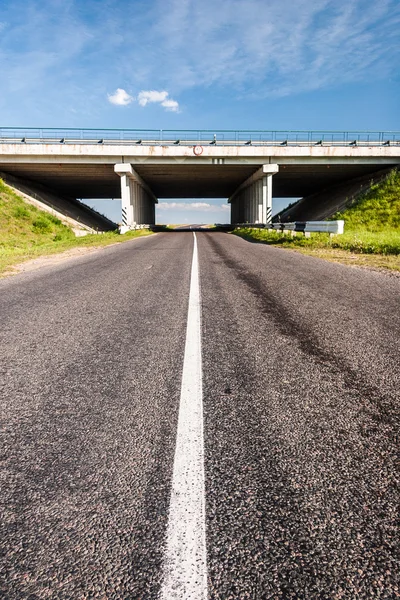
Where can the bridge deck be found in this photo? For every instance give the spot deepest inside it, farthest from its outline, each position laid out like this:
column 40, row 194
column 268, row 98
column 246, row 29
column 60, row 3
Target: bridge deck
column 199, row 166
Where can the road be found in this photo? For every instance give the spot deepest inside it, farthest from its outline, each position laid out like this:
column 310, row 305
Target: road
column 300, row 391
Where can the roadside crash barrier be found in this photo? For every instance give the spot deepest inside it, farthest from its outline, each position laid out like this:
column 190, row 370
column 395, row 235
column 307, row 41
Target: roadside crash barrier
column 307, row 227
column 250, row 225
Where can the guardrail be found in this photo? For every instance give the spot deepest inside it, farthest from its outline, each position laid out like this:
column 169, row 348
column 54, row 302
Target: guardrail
column 189, row 137
column 332, row 227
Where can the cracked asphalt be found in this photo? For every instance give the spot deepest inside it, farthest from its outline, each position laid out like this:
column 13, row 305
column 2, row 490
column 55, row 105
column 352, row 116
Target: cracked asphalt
column 301, row 380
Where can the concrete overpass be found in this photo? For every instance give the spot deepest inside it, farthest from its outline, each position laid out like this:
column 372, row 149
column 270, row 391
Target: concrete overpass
column 248, row 167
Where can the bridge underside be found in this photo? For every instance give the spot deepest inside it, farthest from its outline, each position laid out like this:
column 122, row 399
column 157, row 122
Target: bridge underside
column 185, row 180
column 248, row 174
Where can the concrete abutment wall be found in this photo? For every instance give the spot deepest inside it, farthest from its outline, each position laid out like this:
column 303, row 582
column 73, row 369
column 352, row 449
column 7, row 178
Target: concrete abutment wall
column 328, row 201
column 252, row 201
column 72, row 212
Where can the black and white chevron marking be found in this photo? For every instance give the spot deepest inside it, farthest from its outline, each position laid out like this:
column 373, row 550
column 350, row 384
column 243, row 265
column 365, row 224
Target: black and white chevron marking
column 124, row 217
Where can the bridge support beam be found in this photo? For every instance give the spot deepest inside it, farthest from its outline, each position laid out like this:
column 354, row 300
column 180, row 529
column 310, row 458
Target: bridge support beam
column 137, row 200
column 252, row 201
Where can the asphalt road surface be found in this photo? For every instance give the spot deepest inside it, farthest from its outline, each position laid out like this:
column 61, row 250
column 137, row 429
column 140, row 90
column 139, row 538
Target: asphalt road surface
column 300, row 405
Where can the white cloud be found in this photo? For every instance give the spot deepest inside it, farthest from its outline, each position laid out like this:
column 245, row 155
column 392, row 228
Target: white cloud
column 145, row 97
column 120, row 98
column 198, row 206
column 151, row 96
column 171, row 105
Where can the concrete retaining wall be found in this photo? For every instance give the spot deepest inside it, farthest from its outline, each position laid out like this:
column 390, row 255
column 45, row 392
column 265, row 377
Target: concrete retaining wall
column 323, row 205
column 75, row 214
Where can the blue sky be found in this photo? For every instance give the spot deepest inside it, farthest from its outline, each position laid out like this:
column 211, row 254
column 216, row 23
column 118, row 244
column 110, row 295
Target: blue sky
column 184, row 64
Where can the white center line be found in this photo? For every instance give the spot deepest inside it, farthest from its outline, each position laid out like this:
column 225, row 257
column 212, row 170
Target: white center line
column 185, row 559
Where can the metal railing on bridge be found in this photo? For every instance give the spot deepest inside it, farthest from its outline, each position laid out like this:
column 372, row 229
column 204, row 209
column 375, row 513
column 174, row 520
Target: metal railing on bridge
column 189, row 137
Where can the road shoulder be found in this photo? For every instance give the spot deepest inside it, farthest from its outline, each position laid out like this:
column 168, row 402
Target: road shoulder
column 384, row 263
column 57, row 257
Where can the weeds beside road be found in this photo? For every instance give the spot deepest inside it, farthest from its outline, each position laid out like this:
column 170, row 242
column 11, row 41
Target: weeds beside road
column 375, row 249
column 27, row 232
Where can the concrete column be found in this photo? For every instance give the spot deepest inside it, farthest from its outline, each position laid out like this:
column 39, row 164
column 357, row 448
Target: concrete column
column 269, row 171
column 267, row 199
column 138, row 211
column 259, row 188
column 143, row 198
column 133, row 204
column 137, row 199
column 126, row 204
column 252, row 201
column 254, row 206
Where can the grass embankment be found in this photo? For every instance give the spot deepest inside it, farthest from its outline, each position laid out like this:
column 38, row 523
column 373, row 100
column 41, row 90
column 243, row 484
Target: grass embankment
column 372, row 230
column 27, row 232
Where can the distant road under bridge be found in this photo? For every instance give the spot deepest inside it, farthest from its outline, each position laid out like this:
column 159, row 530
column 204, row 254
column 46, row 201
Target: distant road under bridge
column 246, row 167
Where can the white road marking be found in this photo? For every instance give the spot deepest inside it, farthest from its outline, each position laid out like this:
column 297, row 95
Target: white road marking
column 185, row 560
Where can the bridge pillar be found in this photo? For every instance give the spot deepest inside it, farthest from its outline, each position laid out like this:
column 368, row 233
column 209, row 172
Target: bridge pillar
column 252, row 201
column 267, row 199
column 127, row 208
column 137, row 199
column 259, row 188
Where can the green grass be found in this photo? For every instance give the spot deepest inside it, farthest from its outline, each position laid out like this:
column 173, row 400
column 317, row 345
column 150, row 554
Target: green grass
column 363, row 242
column 372, row 227
column 367, row 249
column 27, row 232
column 377, row 210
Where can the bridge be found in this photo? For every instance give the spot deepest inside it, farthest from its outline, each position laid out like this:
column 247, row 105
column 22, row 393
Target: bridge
column 248, row 167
